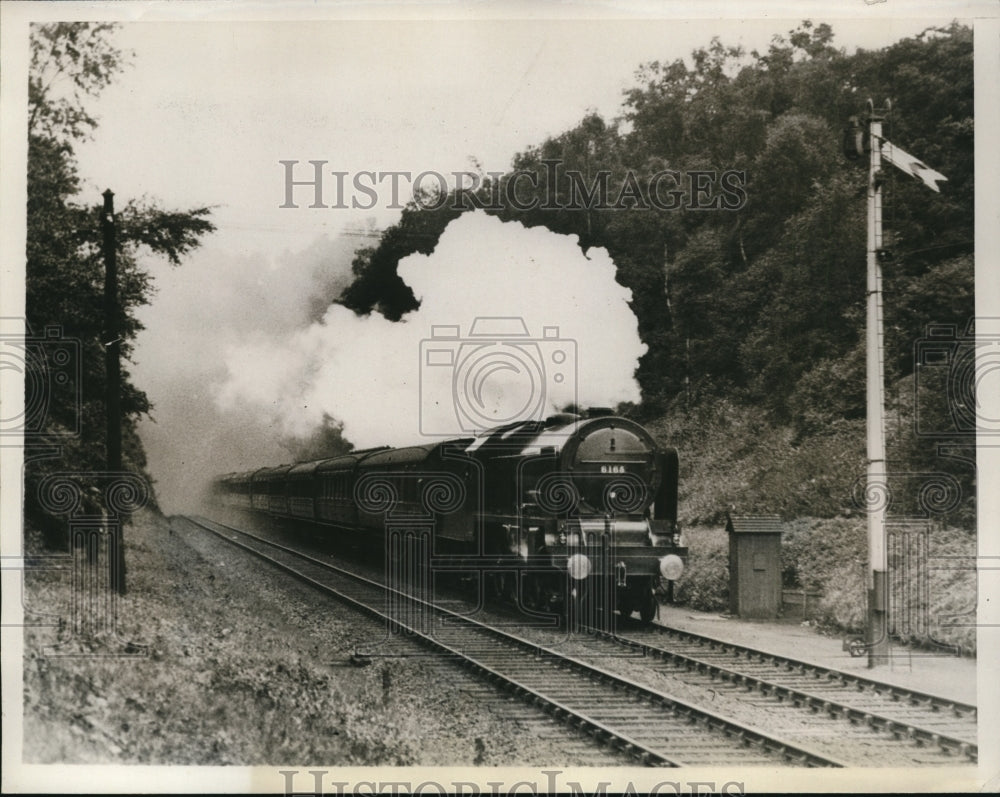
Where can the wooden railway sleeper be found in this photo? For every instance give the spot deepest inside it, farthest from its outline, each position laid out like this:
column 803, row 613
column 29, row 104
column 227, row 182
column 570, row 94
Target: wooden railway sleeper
column 693, row 716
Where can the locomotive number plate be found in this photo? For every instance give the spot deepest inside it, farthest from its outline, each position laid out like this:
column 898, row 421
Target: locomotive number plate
column 612, row 468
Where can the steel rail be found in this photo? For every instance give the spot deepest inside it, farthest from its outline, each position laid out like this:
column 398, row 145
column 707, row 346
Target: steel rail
column 689, row 713
column 800, row 697
column 913, row 696
column 646, row 755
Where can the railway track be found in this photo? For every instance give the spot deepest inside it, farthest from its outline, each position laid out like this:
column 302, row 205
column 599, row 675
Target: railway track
column 650, row 726
column 928, row 720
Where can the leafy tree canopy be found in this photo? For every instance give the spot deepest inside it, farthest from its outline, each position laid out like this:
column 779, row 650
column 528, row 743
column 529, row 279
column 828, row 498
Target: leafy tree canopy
column 764, row 304
column 70, row 63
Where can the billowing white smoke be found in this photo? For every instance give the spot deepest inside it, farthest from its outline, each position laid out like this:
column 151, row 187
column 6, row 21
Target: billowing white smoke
column 553, row 328
column 200, row 311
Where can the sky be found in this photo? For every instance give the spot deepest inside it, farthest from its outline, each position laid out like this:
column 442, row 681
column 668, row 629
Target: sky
column 207, row 110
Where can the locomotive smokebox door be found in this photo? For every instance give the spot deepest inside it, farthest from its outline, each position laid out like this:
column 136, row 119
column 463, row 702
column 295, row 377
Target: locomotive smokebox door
column 754, row 565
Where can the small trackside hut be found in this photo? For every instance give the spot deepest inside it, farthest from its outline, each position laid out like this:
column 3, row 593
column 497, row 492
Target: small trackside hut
column 754, row 565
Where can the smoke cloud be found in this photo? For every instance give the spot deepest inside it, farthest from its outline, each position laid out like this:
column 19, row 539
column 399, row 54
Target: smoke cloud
column 247, row 362
column 201, row 311
column 554, row 328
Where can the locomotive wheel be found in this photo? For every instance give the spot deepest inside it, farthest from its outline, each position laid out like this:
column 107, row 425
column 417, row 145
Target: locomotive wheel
column 577, row 614
column 626, row 606
column 648, row 608
column 505, row 585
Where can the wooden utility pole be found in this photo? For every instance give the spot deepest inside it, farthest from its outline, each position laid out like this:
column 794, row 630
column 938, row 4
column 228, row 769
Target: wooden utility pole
column 113, row 378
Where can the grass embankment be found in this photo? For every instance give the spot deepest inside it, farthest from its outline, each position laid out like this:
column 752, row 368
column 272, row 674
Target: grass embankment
column 239, row 665
column 221, row 680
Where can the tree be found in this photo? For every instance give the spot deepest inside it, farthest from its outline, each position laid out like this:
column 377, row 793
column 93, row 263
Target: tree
column 325, row 442
column 71, row 62
column 377, row 285
column 68, row 59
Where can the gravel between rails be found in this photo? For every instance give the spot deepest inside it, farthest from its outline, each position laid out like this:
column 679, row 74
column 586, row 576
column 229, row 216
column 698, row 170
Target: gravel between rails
column 837, row 738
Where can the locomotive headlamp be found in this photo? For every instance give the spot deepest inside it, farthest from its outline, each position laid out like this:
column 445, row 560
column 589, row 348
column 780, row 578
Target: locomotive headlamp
column 671, row 567
column 578, row 566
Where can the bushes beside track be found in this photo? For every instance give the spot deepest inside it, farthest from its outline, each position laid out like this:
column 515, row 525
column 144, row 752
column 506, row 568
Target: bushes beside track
column 829, row 556
column 738, row 459
column 704, row 584
column 733, row 457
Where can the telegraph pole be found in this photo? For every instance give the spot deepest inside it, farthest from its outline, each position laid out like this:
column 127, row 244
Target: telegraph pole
column 113, row 378
column 877, row 477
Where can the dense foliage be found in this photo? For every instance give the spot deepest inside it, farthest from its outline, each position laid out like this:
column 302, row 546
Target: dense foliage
column 760, row 309
column 327, row 440
column 65, row 269
column 827, row 557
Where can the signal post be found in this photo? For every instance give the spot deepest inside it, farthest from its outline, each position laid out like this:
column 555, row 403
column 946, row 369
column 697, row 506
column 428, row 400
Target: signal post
column 876, row 491
column 877, row 486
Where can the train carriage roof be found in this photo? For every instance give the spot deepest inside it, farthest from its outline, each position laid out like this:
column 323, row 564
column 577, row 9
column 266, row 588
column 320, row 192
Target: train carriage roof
column 561, row 434
column 237, row 476
column 267, row 474
column 304, row 469
column 400, row 456
column 257, row 475
column 226, row 479
column 440, row 453
column 347, row 461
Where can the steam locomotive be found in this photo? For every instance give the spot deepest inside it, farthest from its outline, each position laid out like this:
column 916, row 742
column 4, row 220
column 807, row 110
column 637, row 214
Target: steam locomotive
column 545, row 512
